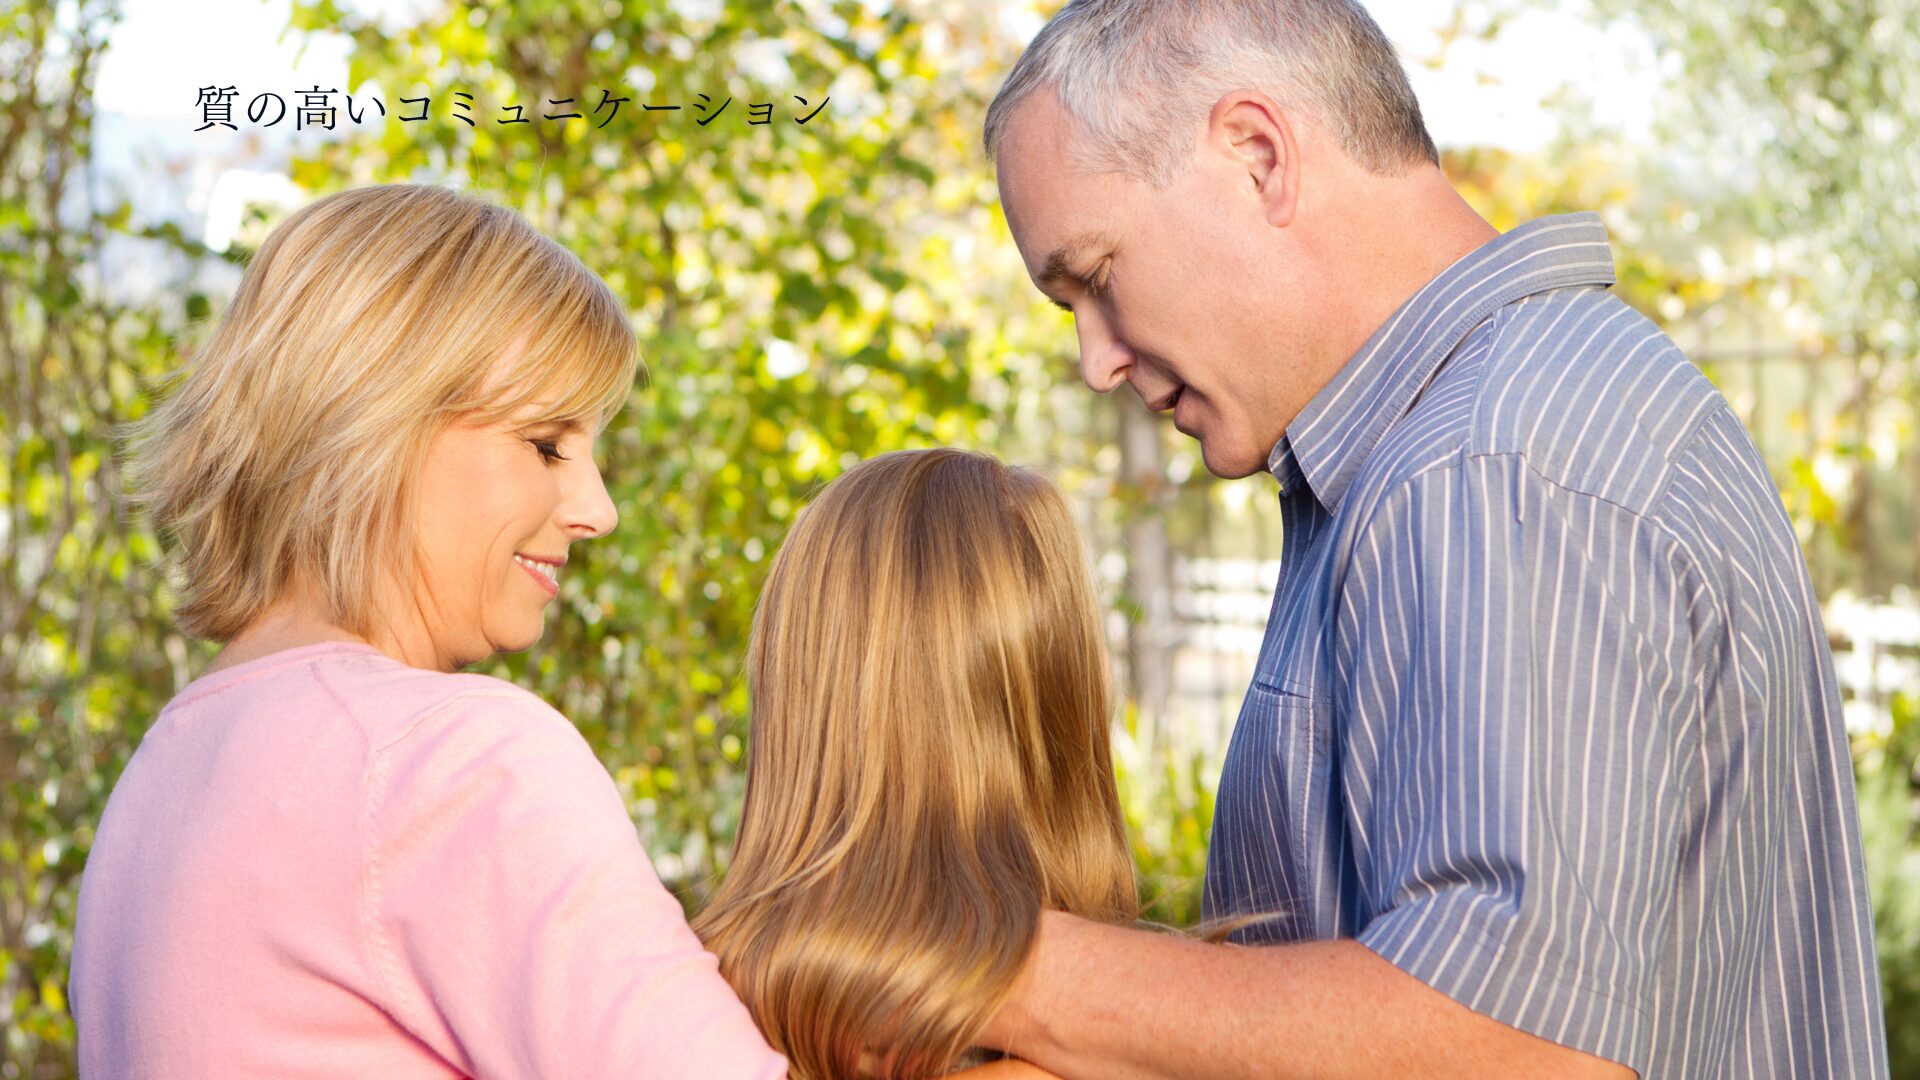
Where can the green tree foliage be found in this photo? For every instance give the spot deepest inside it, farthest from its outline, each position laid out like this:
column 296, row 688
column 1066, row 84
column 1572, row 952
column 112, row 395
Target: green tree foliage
column 1805, row 117
column 799, row 293
column 86, row 653
column 835, row 239
column 805, row 295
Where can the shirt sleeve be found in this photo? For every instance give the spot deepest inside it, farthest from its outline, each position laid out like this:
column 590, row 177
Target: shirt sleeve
column 1518, row 659
column 514, row 919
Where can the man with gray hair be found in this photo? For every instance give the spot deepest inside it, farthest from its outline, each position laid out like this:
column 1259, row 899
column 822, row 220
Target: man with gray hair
column 1542, row 770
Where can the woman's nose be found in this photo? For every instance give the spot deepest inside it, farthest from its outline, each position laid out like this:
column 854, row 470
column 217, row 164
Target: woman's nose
column 586, row 507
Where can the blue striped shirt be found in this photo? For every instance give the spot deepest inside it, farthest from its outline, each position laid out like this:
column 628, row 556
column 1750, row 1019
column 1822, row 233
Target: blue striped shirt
column 1545, row 714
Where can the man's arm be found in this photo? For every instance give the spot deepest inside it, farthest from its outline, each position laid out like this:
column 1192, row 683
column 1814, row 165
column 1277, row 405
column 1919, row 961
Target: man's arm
column 1526, row 654
column 1104, row 1001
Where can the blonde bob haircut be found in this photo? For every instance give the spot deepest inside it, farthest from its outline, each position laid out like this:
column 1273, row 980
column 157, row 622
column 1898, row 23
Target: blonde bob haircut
column 289, row 445
column 928, row 766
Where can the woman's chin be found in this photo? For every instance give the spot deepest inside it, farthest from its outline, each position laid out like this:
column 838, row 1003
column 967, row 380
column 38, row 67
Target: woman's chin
column 518, row 638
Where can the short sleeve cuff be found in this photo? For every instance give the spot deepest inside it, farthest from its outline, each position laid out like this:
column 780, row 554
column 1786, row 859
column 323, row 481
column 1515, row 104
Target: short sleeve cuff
column 1456, row 944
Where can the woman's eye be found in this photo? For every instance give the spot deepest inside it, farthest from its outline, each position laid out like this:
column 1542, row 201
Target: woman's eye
column 549, row 449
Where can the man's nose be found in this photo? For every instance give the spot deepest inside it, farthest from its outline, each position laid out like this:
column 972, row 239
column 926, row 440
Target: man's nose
column 1104, row 360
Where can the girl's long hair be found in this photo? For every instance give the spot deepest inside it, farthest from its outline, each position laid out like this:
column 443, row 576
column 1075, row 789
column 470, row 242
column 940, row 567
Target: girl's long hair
column 928, row 765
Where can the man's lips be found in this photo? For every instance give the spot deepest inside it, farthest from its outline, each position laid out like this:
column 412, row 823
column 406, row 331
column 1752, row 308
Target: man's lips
column 1168, row 401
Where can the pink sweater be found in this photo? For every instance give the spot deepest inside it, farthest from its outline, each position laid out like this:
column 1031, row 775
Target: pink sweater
column 325, row 863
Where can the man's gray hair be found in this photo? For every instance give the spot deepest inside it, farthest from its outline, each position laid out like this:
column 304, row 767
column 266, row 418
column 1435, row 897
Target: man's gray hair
column 1139, row 78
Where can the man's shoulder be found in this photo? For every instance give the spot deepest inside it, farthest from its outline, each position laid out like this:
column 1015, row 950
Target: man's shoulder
column 1589, row 394
column 1592, row 394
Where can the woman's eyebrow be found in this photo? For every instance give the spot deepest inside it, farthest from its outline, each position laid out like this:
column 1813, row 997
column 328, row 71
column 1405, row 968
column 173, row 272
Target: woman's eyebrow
column 557, row 424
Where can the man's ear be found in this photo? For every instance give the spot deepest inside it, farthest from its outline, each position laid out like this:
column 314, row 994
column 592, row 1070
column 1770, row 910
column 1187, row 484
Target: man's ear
column 1257, row 136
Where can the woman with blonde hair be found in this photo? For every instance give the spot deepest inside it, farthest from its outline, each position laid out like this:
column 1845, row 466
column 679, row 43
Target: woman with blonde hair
column 928, row 767
column 334, row 854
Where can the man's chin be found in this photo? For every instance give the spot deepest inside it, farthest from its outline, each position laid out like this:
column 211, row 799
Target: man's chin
column 1228, row 465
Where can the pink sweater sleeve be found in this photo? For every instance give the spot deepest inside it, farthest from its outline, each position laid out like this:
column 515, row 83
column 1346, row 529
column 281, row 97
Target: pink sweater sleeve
column 513, row 919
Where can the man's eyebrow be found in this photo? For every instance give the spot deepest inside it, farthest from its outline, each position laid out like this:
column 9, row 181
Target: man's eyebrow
column 1057, row 265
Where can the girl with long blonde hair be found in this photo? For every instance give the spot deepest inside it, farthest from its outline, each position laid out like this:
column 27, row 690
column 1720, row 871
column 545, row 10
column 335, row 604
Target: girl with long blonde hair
column 928, row 767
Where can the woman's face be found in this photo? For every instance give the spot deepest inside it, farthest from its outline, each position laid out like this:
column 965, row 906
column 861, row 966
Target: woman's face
column 499, row 504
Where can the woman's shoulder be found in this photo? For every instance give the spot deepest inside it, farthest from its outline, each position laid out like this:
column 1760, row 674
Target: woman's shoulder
column 438, row 740
column 390, row 703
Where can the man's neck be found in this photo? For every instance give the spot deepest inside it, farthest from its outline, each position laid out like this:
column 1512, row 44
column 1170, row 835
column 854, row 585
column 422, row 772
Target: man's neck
column 1405, row 232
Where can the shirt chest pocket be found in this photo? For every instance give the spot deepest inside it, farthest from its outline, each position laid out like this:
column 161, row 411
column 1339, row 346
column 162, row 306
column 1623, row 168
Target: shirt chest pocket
column 1273, row 832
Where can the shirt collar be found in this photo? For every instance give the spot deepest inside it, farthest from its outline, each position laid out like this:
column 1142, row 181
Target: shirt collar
column 1327, row 443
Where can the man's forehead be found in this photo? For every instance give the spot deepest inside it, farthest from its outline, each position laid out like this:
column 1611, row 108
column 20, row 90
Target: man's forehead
column 1051, row 203
column 1035, row 164
column 1039, row 123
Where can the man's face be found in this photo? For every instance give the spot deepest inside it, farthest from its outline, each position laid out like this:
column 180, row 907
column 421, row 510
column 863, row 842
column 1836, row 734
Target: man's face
column 1172, row 290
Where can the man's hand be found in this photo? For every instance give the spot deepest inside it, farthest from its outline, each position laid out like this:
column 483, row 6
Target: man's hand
column 1112, row 1002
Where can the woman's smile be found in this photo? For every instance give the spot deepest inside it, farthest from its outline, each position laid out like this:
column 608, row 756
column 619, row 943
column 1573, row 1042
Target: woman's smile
column 544, row 571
